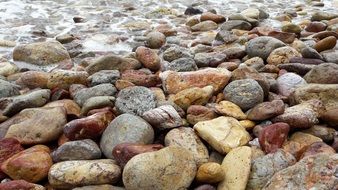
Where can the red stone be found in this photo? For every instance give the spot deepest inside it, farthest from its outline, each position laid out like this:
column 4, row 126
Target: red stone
column 273, row 136
column 17, row 185
column 317, row 148
column 141, row 78
column 59, row 94
column 8, row 148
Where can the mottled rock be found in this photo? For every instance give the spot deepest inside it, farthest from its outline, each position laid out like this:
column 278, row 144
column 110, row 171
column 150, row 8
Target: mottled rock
column 141, row 78
column 211, row 59
column 175, row 52
column 330, row 117
column 33, row 79
column 155, row 40
column 163, row 117
column 148, row 58
column 210, row 173
column 236, row 24
column 282, row 55
column 266, row 110
column 288, row 82
column 330, row 56
column 272, row 137
column 97, row 102
column 196, row 113
column 205, row 26
column 181, row 65
column 103, row 76
column 64, row 78
column 326, row 73
column 291, row 28
column 263, row 46
column 8, row 89
column 72, row 109
column 318, row 148
column 322, row 131
column 230, row 109
column 82, row 95
column 8, row 148
column 20, row 184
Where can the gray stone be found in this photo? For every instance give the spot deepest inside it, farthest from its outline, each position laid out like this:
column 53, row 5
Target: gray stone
column 288, row 82
column 209, row 59
column 8, row 89
column 236, row 24
column 326, row 73
column 81, row 96
column 163, row 117
column 330, row 56
column 181, row 65
column 104, row 76
column 96, row 103
column 175, row 52
column 263, row 46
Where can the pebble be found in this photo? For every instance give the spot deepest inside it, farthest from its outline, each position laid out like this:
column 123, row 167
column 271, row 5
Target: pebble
column 181, row 65
column 266, row 110
column 72, row 109
column 97, row 102
column 205, row 26
column 212, row 59
column 163, row 117
column 282, row 55
column 236, row 24
column 288, row 82
column 148, row 58
column 155, row 40
column 7, row 69
column 64, row 78
column 8, row 148
column 210, row 173
column 330, row 56
column 196, row 113
column 230, row 109
column 103, row 76
column 272, row 137
column 325, row 73
column 82, row 95
column 8, row 89
column 20, row 184
column 33, row 79
column 213, row 17
column 141, row 78
column 325, row 44
column 262, row 46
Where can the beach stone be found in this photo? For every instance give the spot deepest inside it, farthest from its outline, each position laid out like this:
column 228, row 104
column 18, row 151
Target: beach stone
column 8, row 89
column 213, row 17
column 148, row 58
column 308, row 52
column 174, row 82
column 103, row 76
column 312, row 172
column 72, row 109
column 64, row 78
column 288, row 82
column 70, row 174
column 210, row 173
column 263, row 168
column 321, row 15
column 82, row 95
column 196, row 113
column 226, row 36
column 8, row 148
column 283, row 36
column 182, row 65
column 97, row 102
column 318, row 148
column 266, row 110
column 41, row 53
column 7, row 69
column 192, row 11
column 230, row 109
column 175, row 52
column 205, row 26
column 35, row 125
column 298, row 68
column 325, row 44
column 262, row 46
column 326, row 73
column 205, row 187
column 31, row 164
column 330, row 117
column 20, row 184
column 236, row 166
column 154, row 170
column 282, row 55
column 99, row 187
column 322, row 131
column 112, row 62
column 141, row 78
column 77, row 150
column 315, row 27
column 251, row 13
column 185, row 137
column 330, row 56
column 291, row 28
column 163, row 117
column 125, row 128
column 236, row 24
column 211, row 59
column 33, row 79
column 222, row 133
column 245, row 93
column 135, row 100
column 272, row 137
column 155, row 40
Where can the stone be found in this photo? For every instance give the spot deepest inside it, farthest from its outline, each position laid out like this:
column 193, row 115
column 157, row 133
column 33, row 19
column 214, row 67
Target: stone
column 155, row 40
column 192, row 96
column 288, row 82
column 148, row 58
column 226, row 36
column 77, row 150
column 325, row 44
column 298, row 68
column 222, row 133
column 174, row 82
column 192, row 11
column 135, row 100
column 310, row 53
column 205, row 187
column 90, row 127
column 181, row 65
column 64, row 78
column 230, row 109
column 163, row 117
column 82, row 95
column 318, row 148
column 236, row 24
column 175, row 52
column 41, row 53
column 205, row 26
column 141, row 78
column 8, row 148
column 31, row 164
column 322, row 131
column 169, row 168
column 262, row 46
column 263, row 168
column 266, row 110
column 35, row 125
column 72, row 109
column 7, row 69
column 283, row 36
column 251, row 13
column 316, row 27
column 282, row 55
column 70, row 174
column 291, row 28
column 97, row 102
column 272, row 137
column 213, row 17
column 330, row 56
column 312, row 172
column 20, row 184
column 196, row 113
column 12, row 105
column 236, row 166
column 125, row 128
column 211, row 59
column 33, row 79
column 103, row 76
column 330, row 117
column 185, row 137
column 245, row 93
column 325, row 73
column 210, row 173
column 8, row 89
column 321, row 15
column 99, row 187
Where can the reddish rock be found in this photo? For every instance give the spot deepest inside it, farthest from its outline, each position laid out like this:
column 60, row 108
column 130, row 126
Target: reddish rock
column 72, row 108
column 324, row 34
column 148, row 58
column 33, row 79
column 90, row 127
column 273, row 136
column 59, row 94
column 266, row 110
column 317, row 148
column 213, row 17
column 105, row 109
column 20, row 185
column 315, row 27
column 8, row 147
column 261, row 31
column 125, row 151
column 196, row 113
column 330, row 117
column 141, row 78
column 325, row 44
column 283, row 36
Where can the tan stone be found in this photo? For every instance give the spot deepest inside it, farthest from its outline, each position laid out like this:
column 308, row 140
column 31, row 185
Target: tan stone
column 210, row 173
column 228, row 108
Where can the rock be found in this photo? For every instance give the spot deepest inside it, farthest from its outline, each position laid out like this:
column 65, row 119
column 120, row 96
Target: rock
column 236, row 24
column 272, row 137
column 141, row 78
column 135, row 100
column 222, row 133
column 123, row 152
column 33, row 79
column 226, row 36
column 64, row 78
column 263, row 168
column 288, row 82
column 205, row 26
column 175, row 52
column 112, row 62
column 82, row 95
column 318, row 148
column 312, row 171
column 103, row 76
column 266, row 110
column 210, row 173
column 211, row 59
column 330, row 117
column 148, row 58
column 205, row 187
column 251, row 13
column 154, row 170
column 97, row 102
column 8, row 89
column 41, row 53
column 20, row 184
column 196, row 113
column 155, row 40
column 308, row 52
column 326, row 44
column 174, row 82
column 283, row 36
column 263, row 46
column 69, row 174
column 99, row 187
column 8, row 148
column 282, row 55
column 31, row 164
column 192, row 11
column 245, row 93
column 125, row 128
column 236, row 166
column 326, row 73
column 316, row 27
column 298, row 68
column 230, row 109
column 303, row 115
column 7, row 69
column 291, row 28
column 185, row 137
column 72, row 109
column 213, row 17
column 330, row 56
column 192, row 96
column 29, row 126
column 89, row 127
column 321, row 131
column 163, row 117
column 182, row 65
column 77, row 150
column 321, row 15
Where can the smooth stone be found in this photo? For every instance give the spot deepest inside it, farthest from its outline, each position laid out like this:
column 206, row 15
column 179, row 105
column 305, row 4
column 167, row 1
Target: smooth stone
column 103, row 76
column 266, row 110
column 230, row 109
column 70, row 174
column 205, row 187
column 330, row 56
column 226, row 36
column 77, row 150
column 72, row 109
column 262, row 46
column 99, row 187
column 321, row 15
column 251, row 13
column 213, row 17
column 306, row 61
column 192, row 11
column 125, row 128
column 298, row 68
column 31, row 164
column 308, row 52
column 155, row 40
column 272, row 137
column 316, row 27
column 82, row 95
column 326, row 73
column 236, row 166
column 205, row 26
column 197, row 113
column 8, row 148
column 148, row 58
column 7, row 69
column 282, row 55
column 175, row 52
column 8, row 89
column 64, row 78
column 318, row 148
column 236, row 24
column 163, row 117
column 283, row 36
column 33, row 79
column 288, row 82
column 291, row 28
column 211, row 59
column 97, row 102
column 141, row 78
column 185, row 137
column 325, row 44
column 330, row 117
column 322, row 131
column 20, row 184
column 222, row 133
column 210, row 173
column 181, row 65
column 154, row 170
